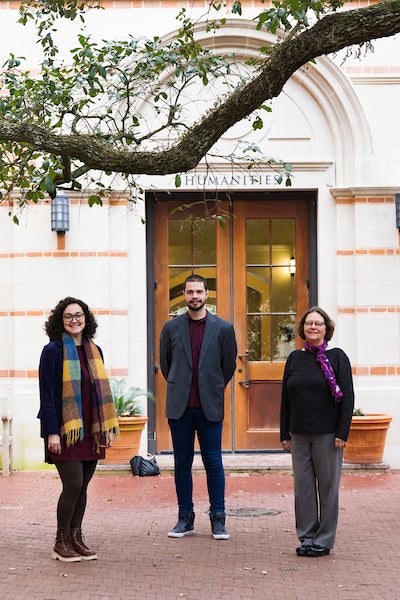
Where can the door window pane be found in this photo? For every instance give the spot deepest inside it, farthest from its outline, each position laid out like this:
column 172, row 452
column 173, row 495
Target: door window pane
column 271, row 289
column 258, row 289
column 257, row 241
column 259, row 337
column 192, row 242
column 283, row 290
column 284, row 336
column 179, row 242
column 191, row 249
column 204, row 242
column 282, row 234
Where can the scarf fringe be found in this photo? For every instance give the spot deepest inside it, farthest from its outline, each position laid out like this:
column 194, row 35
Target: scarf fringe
column 103, row 439
column 73, row 436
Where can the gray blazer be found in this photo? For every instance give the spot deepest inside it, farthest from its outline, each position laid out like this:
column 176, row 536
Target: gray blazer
column 217, row 363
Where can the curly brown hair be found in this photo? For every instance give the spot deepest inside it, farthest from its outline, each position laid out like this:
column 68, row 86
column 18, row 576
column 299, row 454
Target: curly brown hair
column 54, row 326
column 330, row 325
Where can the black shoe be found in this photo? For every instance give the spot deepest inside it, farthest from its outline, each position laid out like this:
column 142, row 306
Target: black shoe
column 218, row 526
column 184, row 526
column 316, row 551
column 303, row 550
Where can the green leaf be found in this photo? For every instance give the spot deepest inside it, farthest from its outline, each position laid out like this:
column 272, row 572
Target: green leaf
column 258, row 123
column 237, row 7
column 95, row 199
column 222, row 221
column 178, row 181
column 49, row 185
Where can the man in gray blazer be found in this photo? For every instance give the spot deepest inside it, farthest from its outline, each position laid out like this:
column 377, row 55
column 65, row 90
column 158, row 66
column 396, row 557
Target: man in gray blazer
column 198, row 359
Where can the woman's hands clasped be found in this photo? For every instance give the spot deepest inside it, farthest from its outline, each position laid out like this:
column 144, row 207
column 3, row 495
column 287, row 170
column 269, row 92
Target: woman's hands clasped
column 339, row 444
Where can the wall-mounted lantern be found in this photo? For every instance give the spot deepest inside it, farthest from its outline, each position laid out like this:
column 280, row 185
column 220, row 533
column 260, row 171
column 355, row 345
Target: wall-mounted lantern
column 397, row 200
column 292, row 266
column 60, row 212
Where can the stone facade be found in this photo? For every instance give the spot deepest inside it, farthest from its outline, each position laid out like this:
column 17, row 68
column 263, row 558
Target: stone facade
column 336, row 122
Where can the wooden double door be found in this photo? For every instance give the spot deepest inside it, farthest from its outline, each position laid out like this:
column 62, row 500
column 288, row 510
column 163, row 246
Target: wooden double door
column 254, row 252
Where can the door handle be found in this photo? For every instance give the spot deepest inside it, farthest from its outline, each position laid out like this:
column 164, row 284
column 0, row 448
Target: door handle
column 245, row 356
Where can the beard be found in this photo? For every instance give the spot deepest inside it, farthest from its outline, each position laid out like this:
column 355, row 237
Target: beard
column 195, row 307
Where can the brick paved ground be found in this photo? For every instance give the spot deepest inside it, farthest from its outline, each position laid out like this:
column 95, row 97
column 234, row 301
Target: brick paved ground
column 128, row 518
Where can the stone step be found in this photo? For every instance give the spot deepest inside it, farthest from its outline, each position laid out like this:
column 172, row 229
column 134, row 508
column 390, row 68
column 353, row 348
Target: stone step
column 277, row 461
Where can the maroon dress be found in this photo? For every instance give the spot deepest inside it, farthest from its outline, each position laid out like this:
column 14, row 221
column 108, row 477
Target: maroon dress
column 84, row 449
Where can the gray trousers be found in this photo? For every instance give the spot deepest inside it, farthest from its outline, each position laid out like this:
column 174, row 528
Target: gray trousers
column 317, row 467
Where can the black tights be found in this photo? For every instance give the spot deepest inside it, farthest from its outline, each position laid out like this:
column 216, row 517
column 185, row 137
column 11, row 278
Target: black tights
column 75, row 477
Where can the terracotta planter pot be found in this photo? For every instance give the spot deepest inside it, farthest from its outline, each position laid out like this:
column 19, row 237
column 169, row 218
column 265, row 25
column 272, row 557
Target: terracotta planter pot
column 127, row 445
column 367, row 438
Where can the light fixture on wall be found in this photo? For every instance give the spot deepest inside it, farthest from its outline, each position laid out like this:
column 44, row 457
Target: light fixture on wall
column 60, row 212
column 292, row 266
column 397, row 201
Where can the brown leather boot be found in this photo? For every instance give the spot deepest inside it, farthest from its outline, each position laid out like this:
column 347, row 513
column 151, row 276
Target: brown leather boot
column 79, row 545
column 63, row 549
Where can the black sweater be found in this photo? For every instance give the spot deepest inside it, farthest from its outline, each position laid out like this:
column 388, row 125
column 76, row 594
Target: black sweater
column 307, row 402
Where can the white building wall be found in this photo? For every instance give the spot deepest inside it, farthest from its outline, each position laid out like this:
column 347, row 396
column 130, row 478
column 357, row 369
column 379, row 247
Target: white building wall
column 337, row 124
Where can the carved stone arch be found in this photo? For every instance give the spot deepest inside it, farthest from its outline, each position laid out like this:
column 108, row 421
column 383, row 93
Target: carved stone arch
column 338, row 128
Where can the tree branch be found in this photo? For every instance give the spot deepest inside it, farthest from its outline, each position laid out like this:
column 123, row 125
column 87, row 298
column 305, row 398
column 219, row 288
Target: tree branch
column 332, row 33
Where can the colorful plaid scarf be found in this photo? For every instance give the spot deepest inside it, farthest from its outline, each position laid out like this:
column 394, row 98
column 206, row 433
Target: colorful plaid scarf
column 326, row 367
column 104, row 419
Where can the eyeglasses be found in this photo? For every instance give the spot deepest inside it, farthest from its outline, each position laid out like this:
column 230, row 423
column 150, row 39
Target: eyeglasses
column 77, row 316
column 315, row 323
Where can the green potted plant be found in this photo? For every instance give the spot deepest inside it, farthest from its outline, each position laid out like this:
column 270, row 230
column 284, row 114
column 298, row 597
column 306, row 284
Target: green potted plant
column 126, row 398
column 367, row 437
column 130, row 419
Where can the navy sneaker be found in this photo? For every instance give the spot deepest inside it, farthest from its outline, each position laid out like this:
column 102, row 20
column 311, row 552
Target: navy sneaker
column 184, row 526
column 218, row 526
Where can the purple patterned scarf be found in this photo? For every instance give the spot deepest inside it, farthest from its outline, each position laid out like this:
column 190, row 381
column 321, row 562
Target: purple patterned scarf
column 326, row 367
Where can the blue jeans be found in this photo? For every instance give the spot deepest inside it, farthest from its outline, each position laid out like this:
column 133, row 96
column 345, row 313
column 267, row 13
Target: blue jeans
column 209, row 434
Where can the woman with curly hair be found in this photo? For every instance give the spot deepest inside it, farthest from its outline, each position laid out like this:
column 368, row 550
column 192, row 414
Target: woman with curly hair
column 77, row 417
